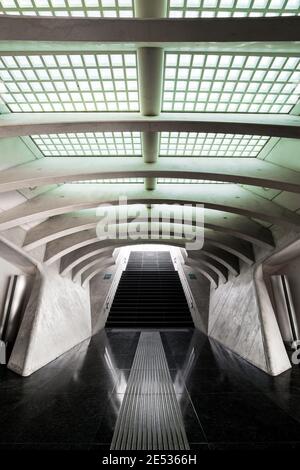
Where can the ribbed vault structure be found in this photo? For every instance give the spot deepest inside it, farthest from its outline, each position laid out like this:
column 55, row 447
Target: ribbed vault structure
column 159, row 101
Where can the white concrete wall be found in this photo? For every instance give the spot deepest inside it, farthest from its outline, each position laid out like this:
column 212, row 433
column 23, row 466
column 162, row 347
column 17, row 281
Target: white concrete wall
column 242, row 319
column 292, row 270
column 200, row 289
column 6, row 270
column 234, row 318
column 56, row 319
column 99, row 289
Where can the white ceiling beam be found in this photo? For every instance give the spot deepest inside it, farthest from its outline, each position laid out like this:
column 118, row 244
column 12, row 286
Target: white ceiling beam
column 20, row 124
column 149, row 31
column 205, row 262
column 73, row 243
column 64, row 245
column 93, row 270
column 212, row 268
column 58, row 170
column 61, row 226
column 213, row 242
column 243, row 230
column 225, row 197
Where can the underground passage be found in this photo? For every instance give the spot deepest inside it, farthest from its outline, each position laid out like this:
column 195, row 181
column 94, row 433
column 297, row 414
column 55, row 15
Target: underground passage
column 149, row 227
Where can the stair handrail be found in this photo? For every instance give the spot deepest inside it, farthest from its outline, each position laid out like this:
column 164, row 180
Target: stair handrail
column 115, row 283
column 184, row 282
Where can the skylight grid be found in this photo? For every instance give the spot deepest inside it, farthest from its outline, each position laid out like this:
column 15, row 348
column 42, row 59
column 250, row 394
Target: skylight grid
column 232, row 8
column 89, row 144
column 187, row 181
column 111, row 181
column 210, row 145
column 58, row 83
column 75, row 8
column 141, row 180
column 230, row 83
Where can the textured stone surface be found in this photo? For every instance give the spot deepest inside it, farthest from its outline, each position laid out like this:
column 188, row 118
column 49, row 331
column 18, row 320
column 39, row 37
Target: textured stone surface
column 99, row 288
column 200, row 288
column 57, row 318
column 234, row 318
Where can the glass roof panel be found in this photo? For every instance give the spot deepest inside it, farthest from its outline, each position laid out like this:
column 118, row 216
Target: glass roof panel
column 232, row 8
column 89, row 144
column 58, row 83
column 79, row 8
column 141, row 180
column 176, row 8
column 230, row 83
column 187, row 181
column 210, row 145
column 111, row 181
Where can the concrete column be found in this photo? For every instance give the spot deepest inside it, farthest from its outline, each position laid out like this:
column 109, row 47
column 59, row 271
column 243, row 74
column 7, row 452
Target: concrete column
column 150, row 8
column 150, row 69
column 150, row 183
column 150, row 146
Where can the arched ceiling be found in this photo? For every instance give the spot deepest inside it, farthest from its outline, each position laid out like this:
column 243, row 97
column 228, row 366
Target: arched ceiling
column 126, row 100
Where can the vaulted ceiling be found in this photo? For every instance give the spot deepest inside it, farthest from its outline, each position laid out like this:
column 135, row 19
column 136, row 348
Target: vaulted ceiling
column 189, row 101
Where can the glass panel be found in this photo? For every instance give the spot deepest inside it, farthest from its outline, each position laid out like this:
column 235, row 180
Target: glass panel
column 79, row 8
column 102, row 82
column 232, row 8
column 89, row 144
column 141, row 180
column 187, row 181
column 111, row 181
column 229, row 83
column 210, row 145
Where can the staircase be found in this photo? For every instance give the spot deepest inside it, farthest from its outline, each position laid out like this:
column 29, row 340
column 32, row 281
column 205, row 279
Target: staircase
column 149, row 294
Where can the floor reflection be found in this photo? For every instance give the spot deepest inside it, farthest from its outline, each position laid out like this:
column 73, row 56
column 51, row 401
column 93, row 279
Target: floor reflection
column 225, row 402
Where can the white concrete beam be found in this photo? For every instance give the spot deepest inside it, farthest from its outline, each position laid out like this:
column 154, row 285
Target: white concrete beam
column 84, row 265
column 58, row 170
column 20, row 124
column 89, row 273
column 207, row 263
column 56, row 227
column 242, row 230
column 59, row 248
column 76, row 257
column 230, row 261
column 149, row 31
column 211, row 267
column 210, row 275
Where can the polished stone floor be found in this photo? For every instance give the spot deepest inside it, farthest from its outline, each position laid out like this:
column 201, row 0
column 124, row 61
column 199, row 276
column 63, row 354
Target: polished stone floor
column 73, row 403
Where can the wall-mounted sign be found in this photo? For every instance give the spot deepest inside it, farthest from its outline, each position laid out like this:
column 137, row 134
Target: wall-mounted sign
column 192, row 276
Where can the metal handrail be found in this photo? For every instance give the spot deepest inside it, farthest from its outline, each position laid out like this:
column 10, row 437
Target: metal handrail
column 185, row 284
column 114, row 285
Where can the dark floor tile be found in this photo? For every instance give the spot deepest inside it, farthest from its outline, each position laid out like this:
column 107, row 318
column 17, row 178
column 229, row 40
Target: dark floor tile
column 244, row 418
column 46, row 446
column 107, row 424
column 215, row 381
column 178, row 381
column 178, row 341
column 73, row 403
column 123, row 361
column 55, row 418
column 122, row 342
column 191, row 422
column 254, row 446
column 199, row 447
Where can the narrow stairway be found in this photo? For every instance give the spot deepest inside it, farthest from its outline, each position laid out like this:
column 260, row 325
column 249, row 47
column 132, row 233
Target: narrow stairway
column 150, row 294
